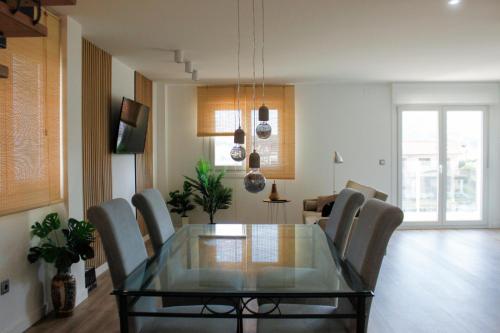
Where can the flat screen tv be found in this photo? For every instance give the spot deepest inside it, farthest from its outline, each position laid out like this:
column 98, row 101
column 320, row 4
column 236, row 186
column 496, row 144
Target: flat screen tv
column 132, row 128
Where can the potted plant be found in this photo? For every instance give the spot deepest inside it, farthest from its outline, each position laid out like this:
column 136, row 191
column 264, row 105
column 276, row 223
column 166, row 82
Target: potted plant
column 181, row 202
column 209, row 192
column 62, row 247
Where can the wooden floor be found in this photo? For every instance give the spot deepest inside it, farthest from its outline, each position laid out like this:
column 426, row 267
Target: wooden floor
column 431, row 281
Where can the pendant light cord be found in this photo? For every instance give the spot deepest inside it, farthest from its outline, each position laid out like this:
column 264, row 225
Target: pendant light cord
column 239, row 51
column 263, row 67
column 253, row 85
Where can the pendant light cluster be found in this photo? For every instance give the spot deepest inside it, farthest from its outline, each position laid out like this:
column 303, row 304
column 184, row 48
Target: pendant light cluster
column 238, row 152
column 254, row 181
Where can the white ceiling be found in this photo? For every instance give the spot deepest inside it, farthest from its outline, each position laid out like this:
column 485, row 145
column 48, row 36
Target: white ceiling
column 306, row 40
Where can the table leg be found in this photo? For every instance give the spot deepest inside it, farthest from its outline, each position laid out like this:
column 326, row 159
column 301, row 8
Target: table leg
column 239, row 317
column 122, row 300
column 361, row 315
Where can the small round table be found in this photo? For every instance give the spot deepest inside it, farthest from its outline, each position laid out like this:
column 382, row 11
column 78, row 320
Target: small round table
column 273, row 210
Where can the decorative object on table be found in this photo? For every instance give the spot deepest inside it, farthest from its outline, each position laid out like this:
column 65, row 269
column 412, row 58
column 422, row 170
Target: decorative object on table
column 263, row 129
column 63, row 248
column 180, row 202
column 273, row 210
column 337, row 159
column 274, row 196
column 238, row 152
column 254, row 180
column 209, row 192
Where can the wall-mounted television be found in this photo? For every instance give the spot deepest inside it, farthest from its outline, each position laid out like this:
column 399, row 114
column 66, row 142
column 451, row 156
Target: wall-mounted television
column 132, row 128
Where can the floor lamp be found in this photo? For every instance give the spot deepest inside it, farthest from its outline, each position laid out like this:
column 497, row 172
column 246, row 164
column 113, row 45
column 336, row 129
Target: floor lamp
column 337, row 159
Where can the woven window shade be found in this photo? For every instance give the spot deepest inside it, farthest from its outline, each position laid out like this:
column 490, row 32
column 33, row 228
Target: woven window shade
column 30, row 129
column 216, row 117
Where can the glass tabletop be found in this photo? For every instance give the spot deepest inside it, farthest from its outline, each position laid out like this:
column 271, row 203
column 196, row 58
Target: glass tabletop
column 245, row 260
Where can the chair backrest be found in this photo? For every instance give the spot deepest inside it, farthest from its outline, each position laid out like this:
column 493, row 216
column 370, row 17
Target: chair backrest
column 341, row 217
column 154, row 210
column 122, row 242
column 369, row 238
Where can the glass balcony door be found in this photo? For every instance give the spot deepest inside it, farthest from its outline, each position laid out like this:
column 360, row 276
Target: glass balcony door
column 441, row 165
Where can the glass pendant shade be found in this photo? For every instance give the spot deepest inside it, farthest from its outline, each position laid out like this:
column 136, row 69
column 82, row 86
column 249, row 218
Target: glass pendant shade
column 254, row 180
column 238, row 152
column 263, row 130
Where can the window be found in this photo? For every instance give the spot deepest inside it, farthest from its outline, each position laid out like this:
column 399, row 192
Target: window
column 218, row 118
column 30, row 122
column 442, row 164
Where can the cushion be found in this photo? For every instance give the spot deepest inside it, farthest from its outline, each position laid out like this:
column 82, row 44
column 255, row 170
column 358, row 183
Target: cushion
column 323, row 200
column 327, row 209
column 311, row 217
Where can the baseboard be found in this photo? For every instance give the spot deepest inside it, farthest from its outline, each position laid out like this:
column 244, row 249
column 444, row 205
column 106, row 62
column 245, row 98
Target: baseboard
column 101, row 269
column 32, row 318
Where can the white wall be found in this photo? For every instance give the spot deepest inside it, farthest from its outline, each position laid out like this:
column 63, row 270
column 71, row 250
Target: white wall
column 29, row 296
column 353, row 119
column 123, row 166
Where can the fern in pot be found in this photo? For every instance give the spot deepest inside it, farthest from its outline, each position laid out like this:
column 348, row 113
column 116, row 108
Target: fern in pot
column 180, row 202
column 62, row 247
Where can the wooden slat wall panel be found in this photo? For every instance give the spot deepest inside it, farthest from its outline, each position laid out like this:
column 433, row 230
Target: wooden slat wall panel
column 96, row 97
column 144, row 162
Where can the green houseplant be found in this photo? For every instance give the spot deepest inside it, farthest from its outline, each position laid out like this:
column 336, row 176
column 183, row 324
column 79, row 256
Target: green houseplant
column 180, row 202
column 62, row 247
column 209, row 192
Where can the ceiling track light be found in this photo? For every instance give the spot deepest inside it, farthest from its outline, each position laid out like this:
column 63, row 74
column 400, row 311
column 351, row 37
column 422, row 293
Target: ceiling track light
column 179, row 56
column 194, row 75
column 188, row 67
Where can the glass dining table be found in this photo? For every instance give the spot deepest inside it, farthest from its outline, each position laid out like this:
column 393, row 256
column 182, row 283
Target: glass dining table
column 238, row 264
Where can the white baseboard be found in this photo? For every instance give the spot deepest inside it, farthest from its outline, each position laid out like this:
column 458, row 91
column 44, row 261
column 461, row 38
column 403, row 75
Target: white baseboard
column 101, row 269
column 31, row 318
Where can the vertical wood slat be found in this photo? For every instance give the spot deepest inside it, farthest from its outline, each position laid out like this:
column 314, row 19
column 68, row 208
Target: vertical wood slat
column 144, row 162
column 96, row 106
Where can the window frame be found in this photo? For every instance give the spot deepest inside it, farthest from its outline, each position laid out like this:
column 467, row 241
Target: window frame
column 442, row 110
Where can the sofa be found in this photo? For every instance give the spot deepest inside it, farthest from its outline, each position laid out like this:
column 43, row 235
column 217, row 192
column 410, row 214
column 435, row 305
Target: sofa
column 312, row 212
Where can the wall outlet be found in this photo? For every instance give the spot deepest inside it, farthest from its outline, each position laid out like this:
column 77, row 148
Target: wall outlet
column 4, row 287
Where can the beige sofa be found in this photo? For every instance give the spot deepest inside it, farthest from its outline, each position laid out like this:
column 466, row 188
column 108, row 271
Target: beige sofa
column 311, row 215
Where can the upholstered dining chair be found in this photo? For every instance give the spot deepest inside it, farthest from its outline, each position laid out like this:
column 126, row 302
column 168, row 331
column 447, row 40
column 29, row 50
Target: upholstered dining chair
column 337, row 227
column 125, row 251
column 151, row 205
column 339, row 223
column 370, row 236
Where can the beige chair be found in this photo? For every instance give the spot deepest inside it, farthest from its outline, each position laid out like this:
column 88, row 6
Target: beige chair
column 365, row 253
column 311, row 213
column 125, row 251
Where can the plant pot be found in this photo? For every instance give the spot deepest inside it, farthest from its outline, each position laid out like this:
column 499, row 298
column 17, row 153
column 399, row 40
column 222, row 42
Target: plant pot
column 63, row 294
column 185, row 220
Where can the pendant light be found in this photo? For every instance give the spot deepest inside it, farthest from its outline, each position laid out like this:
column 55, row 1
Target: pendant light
column 254, row 180
column 238, row 152
column 264, row 129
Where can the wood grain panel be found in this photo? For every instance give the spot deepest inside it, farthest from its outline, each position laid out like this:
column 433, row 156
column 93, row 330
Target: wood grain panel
column 96, row 106
column 144, row 162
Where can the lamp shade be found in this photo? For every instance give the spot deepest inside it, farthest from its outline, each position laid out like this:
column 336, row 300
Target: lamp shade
column 337, row 158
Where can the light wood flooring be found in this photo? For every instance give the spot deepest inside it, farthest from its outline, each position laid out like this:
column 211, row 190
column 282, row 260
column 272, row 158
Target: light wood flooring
column 431, row 281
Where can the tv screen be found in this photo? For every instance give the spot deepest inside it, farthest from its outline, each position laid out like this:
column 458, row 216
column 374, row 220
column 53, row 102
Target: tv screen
column 132, row 128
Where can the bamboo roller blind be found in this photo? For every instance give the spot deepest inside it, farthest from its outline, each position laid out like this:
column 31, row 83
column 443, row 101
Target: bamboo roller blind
column 30, row 122
column 217, row 117
column 144, row 162
column 96, row 108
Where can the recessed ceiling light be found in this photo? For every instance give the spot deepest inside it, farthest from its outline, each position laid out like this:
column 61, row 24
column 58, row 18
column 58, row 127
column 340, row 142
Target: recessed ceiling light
column 454, row 2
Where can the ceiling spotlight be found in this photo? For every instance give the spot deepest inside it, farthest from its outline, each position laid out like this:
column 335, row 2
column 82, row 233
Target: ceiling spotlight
column 454, row 2
column 188, row 67
column 179, row 56
column 194, row 75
